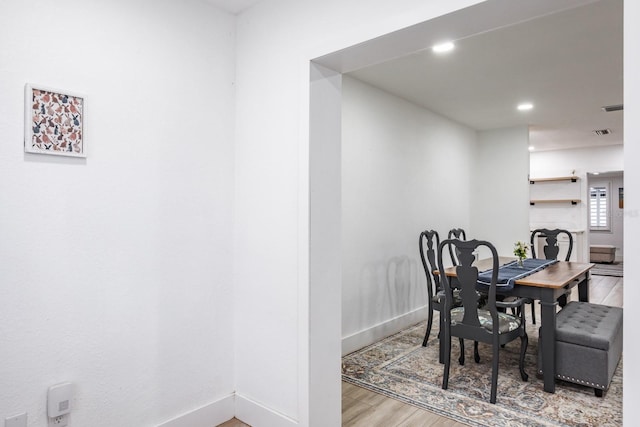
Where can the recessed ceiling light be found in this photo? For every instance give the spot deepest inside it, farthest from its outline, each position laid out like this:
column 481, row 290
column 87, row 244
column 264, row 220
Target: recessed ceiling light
column 531, row 148
column 443, row 47
column 596, row 173
column 525, row 106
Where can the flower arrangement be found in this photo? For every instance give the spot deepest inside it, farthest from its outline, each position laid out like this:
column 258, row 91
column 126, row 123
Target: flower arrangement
column 520, row 250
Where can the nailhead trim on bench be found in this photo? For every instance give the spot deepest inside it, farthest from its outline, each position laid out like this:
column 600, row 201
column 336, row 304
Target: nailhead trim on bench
column 576, row 380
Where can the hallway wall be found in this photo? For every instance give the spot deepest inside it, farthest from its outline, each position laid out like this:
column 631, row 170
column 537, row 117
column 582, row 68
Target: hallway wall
column 116, row 270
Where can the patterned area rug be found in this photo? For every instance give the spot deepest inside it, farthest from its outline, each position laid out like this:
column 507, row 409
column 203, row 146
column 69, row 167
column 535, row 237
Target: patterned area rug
column 400, row 368
column 614, row 269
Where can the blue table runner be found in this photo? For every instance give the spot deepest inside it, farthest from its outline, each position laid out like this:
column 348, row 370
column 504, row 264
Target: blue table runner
column 510, row 272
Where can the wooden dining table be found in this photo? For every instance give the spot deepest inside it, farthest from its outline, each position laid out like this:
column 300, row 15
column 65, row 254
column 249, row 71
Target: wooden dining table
column 547, row 286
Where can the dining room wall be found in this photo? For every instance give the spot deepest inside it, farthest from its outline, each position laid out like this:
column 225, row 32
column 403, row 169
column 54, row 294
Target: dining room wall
column 396, row 182
column 499, row 195
column 116, row 270
column 579, row 162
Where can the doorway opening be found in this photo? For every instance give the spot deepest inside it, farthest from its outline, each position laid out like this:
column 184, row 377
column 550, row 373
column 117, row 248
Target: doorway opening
column 325, row 297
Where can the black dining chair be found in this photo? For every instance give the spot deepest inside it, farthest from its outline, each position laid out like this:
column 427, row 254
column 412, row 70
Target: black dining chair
column 431, row 237
column 435, row 294
column 551, row 250
column 485, row 324
column 455, row 233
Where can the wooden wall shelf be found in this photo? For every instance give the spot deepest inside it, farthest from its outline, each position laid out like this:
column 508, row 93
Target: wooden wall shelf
column 572, row 178
column 572, row 201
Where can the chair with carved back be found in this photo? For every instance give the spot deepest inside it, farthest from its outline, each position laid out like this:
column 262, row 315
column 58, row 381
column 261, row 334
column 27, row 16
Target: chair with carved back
column 459, row 233
column 551, row 250
column 485, row 324
column 431, row 238
column 435, row 296
column 455, row 233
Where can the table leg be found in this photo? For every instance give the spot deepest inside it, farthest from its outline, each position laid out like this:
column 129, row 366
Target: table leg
column 548, row 323
column 583, row 288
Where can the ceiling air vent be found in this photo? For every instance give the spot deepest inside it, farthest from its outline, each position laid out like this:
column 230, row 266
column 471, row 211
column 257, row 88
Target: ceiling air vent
column 610, row 108
column 601, row 132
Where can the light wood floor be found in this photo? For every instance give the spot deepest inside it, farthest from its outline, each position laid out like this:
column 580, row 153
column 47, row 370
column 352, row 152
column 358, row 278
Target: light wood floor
column 234, row 422
column 364, row 408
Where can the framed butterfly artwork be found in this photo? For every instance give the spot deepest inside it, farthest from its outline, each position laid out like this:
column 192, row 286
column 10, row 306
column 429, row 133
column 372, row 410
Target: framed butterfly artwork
column 54, row 121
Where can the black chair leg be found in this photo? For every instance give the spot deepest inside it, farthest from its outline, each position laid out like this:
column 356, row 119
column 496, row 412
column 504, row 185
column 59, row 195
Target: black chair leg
column 476, row 353
column 494, row 373
column 429, row 325
column 598, row 392
column 524, row 343
column 441, row 349
column 461, row 358
column 447, row 362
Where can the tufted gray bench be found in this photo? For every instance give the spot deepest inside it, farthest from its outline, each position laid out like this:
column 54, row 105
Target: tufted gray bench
column 588, row 344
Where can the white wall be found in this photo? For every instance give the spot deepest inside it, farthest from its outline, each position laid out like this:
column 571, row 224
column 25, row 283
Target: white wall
column 579, row 160
column 276, row 41
column 116, row 270
column 632, row 208
column 396, row 182
column 564, row 163
column 499, row 197
column 324, row 244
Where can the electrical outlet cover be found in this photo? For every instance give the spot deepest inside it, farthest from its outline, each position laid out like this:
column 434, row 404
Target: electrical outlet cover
column 16, row 421
column 59, row 400
column 60, row 421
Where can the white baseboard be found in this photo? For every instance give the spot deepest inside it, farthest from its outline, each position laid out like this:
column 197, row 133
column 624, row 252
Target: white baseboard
column 234, row 405
column 255, row 414
column 209, row 415
column 377, row 332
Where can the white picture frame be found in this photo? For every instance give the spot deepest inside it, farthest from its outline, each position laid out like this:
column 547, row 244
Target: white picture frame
column 54, row 121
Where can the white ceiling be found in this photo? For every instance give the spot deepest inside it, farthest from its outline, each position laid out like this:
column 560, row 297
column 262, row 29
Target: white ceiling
column 233, row 6
column 568, row 64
